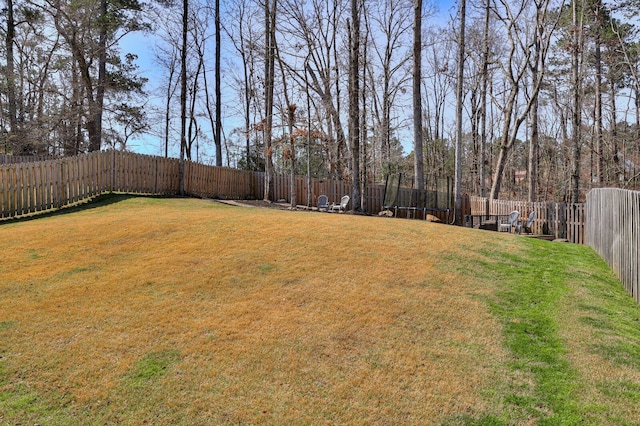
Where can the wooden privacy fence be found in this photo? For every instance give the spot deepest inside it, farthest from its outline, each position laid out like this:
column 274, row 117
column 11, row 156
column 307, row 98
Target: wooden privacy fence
column 13, row 159
column 561, row 220
column 32, row 187
column 613, row 231
column 39, row 186
column 27, row 188
column 373, row 194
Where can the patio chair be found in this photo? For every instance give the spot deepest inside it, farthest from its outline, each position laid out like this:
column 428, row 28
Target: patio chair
column 342, row 206
column 527, row 225
column 512, row 221
column 323, row 203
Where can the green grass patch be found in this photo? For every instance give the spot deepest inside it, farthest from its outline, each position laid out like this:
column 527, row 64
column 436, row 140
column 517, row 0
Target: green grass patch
column 529, row 308
column 531, row 285
column 153, row 366
column 6, row 324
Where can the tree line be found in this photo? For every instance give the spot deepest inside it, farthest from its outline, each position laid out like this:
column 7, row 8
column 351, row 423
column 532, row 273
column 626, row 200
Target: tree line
column 528, row 99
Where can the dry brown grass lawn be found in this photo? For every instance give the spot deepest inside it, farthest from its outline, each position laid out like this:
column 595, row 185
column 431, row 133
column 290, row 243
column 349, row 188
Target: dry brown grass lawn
column 191, row 312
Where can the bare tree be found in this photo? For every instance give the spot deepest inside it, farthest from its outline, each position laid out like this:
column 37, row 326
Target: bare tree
column 183, row 90
column 389, row 74
column 289, row 111
column 483, row 97
column 417, row 97
column 576, row 119
column 460, row 81
column 10, row 79
column 439, row 85
column 598, row 90
column 269, row 79
column 354, row 100
column 243, row 39
column 317, row 29
column 217, row 134
column 514, row 71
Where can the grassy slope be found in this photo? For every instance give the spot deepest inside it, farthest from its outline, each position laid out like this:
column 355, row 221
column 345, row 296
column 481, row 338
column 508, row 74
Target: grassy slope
column 190, row 312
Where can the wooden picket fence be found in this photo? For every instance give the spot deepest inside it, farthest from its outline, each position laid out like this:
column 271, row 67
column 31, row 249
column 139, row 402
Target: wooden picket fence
column 40, row 186
column 612, row 230
column 560, row 220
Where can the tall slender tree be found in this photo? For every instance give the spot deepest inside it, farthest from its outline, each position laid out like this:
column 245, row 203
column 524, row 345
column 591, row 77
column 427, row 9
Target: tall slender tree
column 269, row 81
column 13, row 138
column 483, row 97
column 534, row 143
column 217, row 134
column 576, row 119
column 418, row 154
column 460, row 81
column 354, row 99
column 597, row 6
column 183, row 91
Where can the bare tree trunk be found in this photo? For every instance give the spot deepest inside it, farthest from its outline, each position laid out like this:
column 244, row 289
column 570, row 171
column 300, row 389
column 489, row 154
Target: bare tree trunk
column 533, row 117
column 217, row 134
column 192, row 131
column 598, row 93
column 575, row 118
column 269, row 78
column 534, row 145
column 11, row 85
column 483, row 100
column 618, row 168
column 363, row 124
column 167, row 108
column 417, row 100
column 290, row 112
column 341, row 140
column 354, row 100
column 183, row 91
column 460, row 82
column 95, row 137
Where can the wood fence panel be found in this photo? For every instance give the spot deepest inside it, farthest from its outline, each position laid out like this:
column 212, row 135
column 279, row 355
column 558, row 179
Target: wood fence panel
column 134, row 164
column 4, row 194
column 77, row 172
column 117, row 169
column 575, row 223
column 36, row 187
column 30, row 188
column 17, row 159
column 25, row 188
column 611, row 229
column 47, row 202
column 479, row 205
column 71, row 180
column 557, row 219
column 11, row 191
column 62, row 180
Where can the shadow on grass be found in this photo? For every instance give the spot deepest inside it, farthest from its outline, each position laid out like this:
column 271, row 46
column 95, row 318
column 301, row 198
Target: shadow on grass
column 101, row 200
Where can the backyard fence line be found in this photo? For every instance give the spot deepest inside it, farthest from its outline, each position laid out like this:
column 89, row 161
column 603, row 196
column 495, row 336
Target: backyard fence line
column 562, row 220
column 612, row 231
column 13, row 159
column 40, row 186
